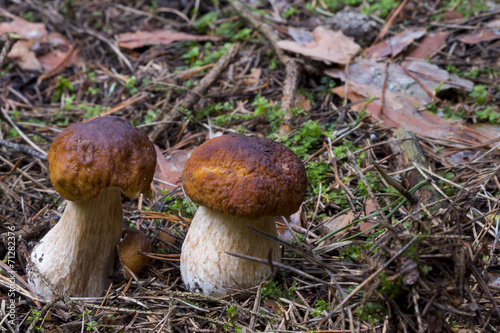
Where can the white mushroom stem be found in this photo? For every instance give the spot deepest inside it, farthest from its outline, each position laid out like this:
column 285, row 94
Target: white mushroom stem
column 77, row 255
column 207, row 268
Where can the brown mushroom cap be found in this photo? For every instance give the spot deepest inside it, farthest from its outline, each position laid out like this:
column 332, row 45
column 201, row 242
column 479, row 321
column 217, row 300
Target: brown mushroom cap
column 245, row 177
column 87, row 158
column 134, row 241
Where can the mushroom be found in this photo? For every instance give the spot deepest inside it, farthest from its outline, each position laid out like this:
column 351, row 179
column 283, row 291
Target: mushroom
column 91, row 164
column 237, row 181
column 132, row 244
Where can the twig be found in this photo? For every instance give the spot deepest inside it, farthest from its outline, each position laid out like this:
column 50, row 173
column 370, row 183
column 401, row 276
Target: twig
column 293, row 70
column 201, row 89
column 385, row 222
column 413, row 76
column 6, row 117
column 384, row 88
column 484, row 287
column 263, row 28
column 24, row 173
column 283, row 266
column 23, row 149
column 368, row 280
column 388, row 25
column 218, row 300
column 394, row 183
column 134, row 99
column 256, row 308
column 41, row 313
column 61, row 64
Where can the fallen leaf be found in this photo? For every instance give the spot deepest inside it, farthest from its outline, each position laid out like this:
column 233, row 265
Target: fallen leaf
column 455, row 158
column 494, row 280
column 409, row 269
column 55, row 39
column 364, row 225
column 394, row 45
column 372, row 74
column 26, row 58
column 327, row 45
column 271, row 305
column 283, row 232
column 254, row 76
column 429, row 45
column 405, row 98
column 169, row 169
column 301, row 36
column 479, row 36
column 303, row 102
column 403, row 111
column 33, row 35
column 452, row 16
column 336, row 223
column 51, row 60
column 143, row 38
column 165, row 236
column 489, row 32
column 25, row 29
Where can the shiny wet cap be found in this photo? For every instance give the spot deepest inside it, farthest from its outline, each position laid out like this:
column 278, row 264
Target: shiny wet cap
column 245, row 177
column 87, row 158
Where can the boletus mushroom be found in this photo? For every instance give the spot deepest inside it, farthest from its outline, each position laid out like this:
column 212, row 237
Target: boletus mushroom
column 132, row 246
column 91, row 165
column 237, row 181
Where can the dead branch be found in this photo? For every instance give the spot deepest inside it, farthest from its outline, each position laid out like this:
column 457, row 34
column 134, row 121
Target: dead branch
column 194, row 96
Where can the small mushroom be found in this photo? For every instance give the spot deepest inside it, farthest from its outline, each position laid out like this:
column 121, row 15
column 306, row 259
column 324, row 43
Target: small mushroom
column 237, row 181
column 91, row 164
column 132, row 244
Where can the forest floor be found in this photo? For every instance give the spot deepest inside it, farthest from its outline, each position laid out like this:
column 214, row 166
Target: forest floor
column 393, row 106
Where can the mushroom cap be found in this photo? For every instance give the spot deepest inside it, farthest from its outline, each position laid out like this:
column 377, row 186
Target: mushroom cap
column 133, row 242
column 245, row 177
column 87, row 158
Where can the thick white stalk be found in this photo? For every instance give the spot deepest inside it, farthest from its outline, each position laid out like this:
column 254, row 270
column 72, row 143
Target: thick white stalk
column 77, row 255
column 207, row 268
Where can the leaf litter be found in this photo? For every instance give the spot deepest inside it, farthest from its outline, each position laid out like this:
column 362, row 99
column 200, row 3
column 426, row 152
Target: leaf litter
column 430, row 261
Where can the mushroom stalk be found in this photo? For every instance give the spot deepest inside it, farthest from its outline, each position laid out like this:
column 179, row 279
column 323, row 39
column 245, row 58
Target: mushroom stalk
column 78, row 254
column 205, row 265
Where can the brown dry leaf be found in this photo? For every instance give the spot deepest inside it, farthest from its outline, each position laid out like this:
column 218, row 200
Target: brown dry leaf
column 165, row 236
column 454, row 157
column 271, row 305
column 283, row 233
column 143, row 38
column 452, row 16
column 254, row 76
column 494, row 280
column 429, row 45
column 55, row 39
column 364, row 225
column 405, row 98
column 34, row 33
column 409, row 269
column 490, row 32
column 337, row 223
column 303, row 102
column 479, row 36
column 26, row 58
column 51, row 60
column 403, row 111
column 25, row 29
column 328, row 45
column 394, row 45
column 372, row 74
column 169, row 169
